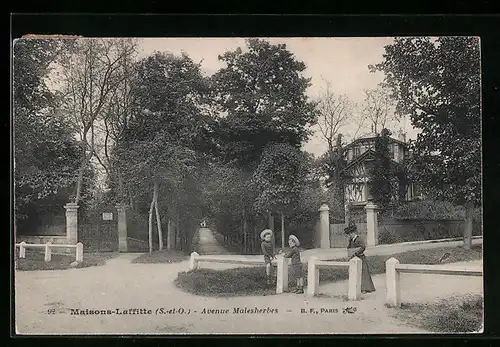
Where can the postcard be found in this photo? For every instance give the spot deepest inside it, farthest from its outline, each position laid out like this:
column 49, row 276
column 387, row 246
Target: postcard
column 251, row 186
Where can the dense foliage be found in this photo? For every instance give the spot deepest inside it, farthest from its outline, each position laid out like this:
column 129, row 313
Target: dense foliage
column 45, row 151
column 437, row 82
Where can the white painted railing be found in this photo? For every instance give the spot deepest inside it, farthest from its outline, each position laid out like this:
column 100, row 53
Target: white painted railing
column 281, row 273
column 48, row 249
column 354, row 265
column 393, row 270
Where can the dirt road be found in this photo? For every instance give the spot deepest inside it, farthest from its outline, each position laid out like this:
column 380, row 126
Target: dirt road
column 45, row 301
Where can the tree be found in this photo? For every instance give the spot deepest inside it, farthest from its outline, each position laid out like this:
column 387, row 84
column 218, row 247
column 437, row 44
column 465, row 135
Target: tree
column 279, row 180
column 333, row 164
column 116, row 116
column 262, row 94
column 437, row 82
column 382, row 173
column 92, row 76
column 44, row 150
column 334, row 112
column 161, row 148
column 378, row 108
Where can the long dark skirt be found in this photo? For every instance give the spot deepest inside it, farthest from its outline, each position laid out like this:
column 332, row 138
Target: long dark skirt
column 366, row 278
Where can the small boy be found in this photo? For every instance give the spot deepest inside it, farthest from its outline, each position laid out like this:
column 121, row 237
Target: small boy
column 294, row 253
column 267, row 251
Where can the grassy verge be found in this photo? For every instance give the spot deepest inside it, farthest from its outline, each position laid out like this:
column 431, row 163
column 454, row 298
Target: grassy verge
column 252, row 280
column 159, row 257
column 35, row 261
column 460, row 314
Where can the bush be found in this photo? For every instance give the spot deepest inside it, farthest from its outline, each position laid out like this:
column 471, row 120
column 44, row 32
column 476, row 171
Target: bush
column 161, row 257
column 452, row 315
column 387, row 236
column 432, row 210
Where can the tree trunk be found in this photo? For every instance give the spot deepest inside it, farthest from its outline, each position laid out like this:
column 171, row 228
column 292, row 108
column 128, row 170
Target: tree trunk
column 469, row 207
column 347, row 215
column 121, row 190
column 254, row 241
column 158, row 219
column 150, row 228
column 282, row 231
column 245, row 226
column 169, row 234
column 271, row 221
column 177, row 230
column 79, row 184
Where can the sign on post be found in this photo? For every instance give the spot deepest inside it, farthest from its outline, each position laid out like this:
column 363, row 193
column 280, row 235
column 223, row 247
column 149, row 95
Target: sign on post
column 107, row 216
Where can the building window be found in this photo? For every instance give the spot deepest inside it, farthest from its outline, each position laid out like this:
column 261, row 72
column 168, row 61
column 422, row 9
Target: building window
column 391, row 151
column 369, row 195
column 414, row 192
column 357, row 151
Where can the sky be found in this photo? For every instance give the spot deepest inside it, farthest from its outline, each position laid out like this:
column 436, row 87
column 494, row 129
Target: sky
column 343, row 62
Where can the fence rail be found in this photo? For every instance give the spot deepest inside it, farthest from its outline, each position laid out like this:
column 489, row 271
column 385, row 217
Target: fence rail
column 394, row 269
column 282, row 263
column 195, row 259
column 354, row 266
column 48, row 249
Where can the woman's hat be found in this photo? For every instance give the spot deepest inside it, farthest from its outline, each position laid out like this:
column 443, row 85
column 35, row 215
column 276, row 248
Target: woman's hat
column 265, row 232
column 294, row 239
column 351, row 228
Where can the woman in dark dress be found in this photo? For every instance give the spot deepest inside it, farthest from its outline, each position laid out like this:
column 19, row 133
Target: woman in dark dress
column 356, row 248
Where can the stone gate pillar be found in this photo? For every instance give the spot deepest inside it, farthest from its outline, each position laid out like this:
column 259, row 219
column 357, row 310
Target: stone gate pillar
column 122, row 227
column 324, row 226
column 371, row 224
column 71, row 223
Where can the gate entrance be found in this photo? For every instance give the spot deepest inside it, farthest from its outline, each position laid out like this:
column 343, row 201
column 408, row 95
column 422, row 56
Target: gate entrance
column 98, row 230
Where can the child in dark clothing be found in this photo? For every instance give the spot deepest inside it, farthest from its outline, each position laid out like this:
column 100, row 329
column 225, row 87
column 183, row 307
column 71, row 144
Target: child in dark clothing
column 294, row 253
column 268, row 252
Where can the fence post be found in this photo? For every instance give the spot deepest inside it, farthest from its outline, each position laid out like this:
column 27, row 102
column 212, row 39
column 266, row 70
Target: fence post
column 79, row 252
column 122, row 227
column 71, row 223
column 392, row 277
column 355, row 268
column 312, row 276
column 324, row 227
column 193, row 263
column 48, row 252
column 371, row 224
column 282, row 274
column 22, row 250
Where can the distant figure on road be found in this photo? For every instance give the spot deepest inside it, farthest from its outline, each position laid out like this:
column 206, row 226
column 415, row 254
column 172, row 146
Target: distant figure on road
column 356, row 248
column 267, row 251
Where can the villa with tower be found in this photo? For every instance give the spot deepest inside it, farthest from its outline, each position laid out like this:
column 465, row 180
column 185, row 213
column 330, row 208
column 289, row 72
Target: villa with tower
column 360, row 156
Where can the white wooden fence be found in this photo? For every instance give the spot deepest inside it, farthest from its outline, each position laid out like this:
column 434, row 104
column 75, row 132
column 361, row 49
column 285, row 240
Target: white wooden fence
column 314, row 264
column 48, row 249
column 394, row 269
column 354, row 265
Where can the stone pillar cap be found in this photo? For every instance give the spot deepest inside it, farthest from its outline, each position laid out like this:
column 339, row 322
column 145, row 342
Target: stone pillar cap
column 324, row 207
column 71, row 205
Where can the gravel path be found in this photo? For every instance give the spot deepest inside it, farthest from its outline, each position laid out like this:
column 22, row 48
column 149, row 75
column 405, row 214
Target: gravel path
column 44, row 300
column 207, row 244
